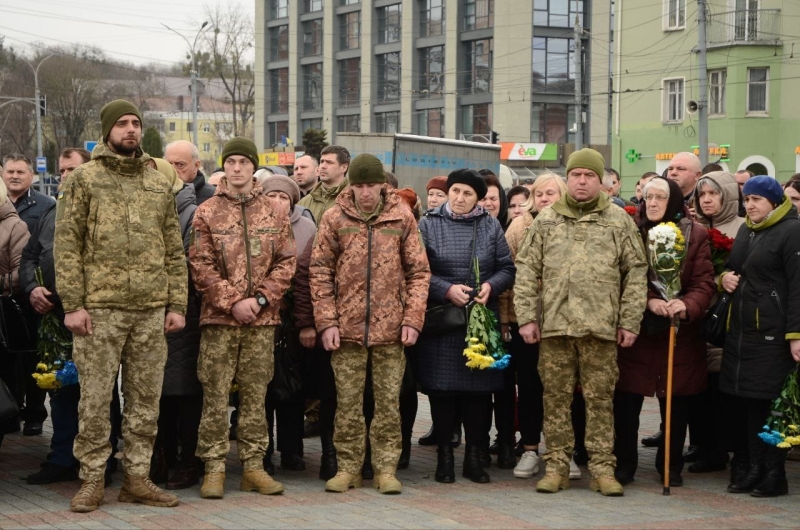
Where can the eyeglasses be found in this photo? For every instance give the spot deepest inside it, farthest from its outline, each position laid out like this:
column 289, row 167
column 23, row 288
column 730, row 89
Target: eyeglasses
column 653, row 197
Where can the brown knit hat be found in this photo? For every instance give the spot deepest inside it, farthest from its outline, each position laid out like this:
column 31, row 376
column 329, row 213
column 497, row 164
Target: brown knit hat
column 437, row 183
column 284, row 184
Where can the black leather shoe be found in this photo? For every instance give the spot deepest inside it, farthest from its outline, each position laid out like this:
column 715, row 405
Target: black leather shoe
column 428, row 438
column 473, row 468
column 773, row 485
column 706, row 465
column 183, row 478
column 405, row 454
column 506, row 459
column 292, row 462
column 692, row 454
column 445, row 466
column 32, row 428
column 51, row 473
column 328, row 465
column 754, row 477
column 653, row 441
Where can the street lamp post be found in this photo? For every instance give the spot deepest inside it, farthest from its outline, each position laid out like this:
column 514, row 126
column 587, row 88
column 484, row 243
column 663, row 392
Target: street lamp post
column 38, row 103
column 193, row 74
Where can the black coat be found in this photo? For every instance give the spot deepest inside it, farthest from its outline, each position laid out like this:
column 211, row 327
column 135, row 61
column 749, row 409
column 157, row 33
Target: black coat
column 202, row 190
column 765, row 307
column 441, row 365
column 31, row 206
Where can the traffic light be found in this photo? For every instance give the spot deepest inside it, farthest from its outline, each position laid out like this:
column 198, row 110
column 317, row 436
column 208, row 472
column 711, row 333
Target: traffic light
column 43, row 105
column 495, row 137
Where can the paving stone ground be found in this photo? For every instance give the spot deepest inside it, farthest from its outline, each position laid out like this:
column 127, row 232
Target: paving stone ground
column 505, row 503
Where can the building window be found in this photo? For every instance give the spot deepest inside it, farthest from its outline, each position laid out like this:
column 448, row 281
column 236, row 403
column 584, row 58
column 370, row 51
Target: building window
column 757, row 93
column 389, row 19
column 478, row 14
column 557, row 13
column 172, row 126
column 387, row 122
column 279, row 86
column 349, row 82
column 313, row 123
column 312, row 86
column 206, row 147
column 479, row 66
column 189, row 127
column 348, row 123
column 278, row 131
column 278, row 9
column 674, row 14
column 431, row 71
column 348, row 2
column 716, row 92
column 553, row 65
column 312, row 37
column 206, row 127
column 430, row 122
column 350, row 30
column 476, row 119
column 279, row 43
column 389, row 77
column 673, row 100
column 309, row 6
column 552, row 123
column 431, row 18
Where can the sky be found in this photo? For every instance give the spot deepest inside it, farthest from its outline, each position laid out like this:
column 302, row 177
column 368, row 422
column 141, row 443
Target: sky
column 130, row 31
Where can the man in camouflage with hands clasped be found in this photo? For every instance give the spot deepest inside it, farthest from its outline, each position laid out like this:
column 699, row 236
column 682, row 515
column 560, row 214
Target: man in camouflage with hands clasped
column 121, row 275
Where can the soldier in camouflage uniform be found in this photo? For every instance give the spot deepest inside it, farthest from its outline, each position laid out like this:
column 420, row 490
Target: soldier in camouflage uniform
column 243, row 259
column 369, row 277
column 588, row 256
column 121, row 276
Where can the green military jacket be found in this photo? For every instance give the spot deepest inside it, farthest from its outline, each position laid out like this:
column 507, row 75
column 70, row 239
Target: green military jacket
column 320, row 199
column 592, row 268
column 118, row 239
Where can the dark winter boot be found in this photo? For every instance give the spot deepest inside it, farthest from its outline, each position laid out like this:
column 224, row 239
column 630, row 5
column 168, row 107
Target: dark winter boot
column 740, row 466
column 473, row 467
column 506, row 459
column 328, row 465
column 445, row 465
column 754, row 476
column 774, row 482
column 405, row 454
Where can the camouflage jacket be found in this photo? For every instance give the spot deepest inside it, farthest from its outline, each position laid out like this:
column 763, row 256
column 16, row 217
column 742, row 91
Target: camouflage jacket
column 369, row 278
column 592, row 269
column 118, row 240
column 240, row 247
column 320, row 199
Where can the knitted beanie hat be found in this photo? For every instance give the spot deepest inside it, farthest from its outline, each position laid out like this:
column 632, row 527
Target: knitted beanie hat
column 437, row 183
column 587, row 158
column 366, row 169
column 471, row 178
column 284, row 184
column 764, row 186
column 113, row 111
column 243, row 147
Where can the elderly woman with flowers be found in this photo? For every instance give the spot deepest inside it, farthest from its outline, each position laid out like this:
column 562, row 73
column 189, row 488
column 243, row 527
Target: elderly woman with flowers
column 470, row 262
column 762, row 343
column 643, row 366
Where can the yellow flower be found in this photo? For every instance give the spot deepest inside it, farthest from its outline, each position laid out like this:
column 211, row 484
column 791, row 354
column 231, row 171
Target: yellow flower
column 793, row 427
column 47, row 381
column 474, row 340
column 41, row 367
column 784, row 445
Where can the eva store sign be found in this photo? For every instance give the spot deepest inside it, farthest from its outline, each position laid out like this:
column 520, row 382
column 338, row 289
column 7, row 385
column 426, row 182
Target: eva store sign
column 527, row 151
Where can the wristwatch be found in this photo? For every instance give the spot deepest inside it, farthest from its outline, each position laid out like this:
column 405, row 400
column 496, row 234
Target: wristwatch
column 261, row 299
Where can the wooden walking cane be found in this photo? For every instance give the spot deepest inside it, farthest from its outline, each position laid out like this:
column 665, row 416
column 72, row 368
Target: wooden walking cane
column 668, row 427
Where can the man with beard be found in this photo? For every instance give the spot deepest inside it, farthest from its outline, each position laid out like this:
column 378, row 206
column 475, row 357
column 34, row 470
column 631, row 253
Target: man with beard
column 121, row 275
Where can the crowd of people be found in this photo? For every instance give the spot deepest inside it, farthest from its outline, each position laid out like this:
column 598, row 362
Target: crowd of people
column 333, row 294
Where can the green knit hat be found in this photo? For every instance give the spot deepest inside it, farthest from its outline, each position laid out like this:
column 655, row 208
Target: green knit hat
column 587, row 158
column 241, row 146
column 113, row 111
column 366, row 169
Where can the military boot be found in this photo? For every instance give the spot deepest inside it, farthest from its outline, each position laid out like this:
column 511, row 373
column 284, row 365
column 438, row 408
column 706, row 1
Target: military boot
column 552, row 482
column 260, row 481
column 213, row 485
column 607, row 485
column 387, row 484
column 89, row 497
column 143, row 491
column 343, row 481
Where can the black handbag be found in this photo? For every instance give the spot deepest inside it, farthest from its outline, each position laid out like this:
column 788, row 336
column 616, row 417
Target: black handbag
column 14, row 332
column 8, row 405
column 287, row 379
column 449, row 317
column 716, row 321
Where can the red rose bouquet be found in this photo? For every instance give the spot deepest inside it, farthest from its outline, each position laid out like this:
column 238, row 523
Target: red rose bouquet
column 721, row 246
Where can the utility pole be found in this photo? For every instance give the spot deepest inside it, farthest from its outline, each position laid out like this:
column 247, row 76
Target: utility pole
column 38, row 99
column 702, row 67
column 193, row 75
column 578, row 87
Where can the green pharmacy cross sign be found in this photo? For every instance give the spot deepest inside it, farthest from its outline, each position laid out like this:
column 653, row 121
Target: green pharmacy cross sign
column 632, row 156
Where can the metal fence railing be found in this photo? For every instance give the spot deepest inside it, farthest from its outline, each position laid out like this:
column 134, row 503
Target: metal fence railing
column 762, row 26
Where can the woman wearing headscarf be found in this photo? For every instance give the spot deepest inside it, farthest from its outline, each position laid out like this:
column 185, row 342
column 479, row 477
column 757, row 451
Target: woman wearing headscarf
column 453, row 233
column 762, row 343
column 643, row 366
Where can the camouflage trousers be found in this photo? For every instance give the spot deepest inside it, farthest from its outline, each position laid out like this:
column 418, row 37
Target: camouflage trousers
column 349, row 436
column 134, row 339
column 243, row 354
column 595, row 361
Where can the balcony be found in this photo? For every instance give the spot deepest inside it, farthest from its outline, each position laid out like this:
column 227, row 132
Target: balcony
column 744, row 27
